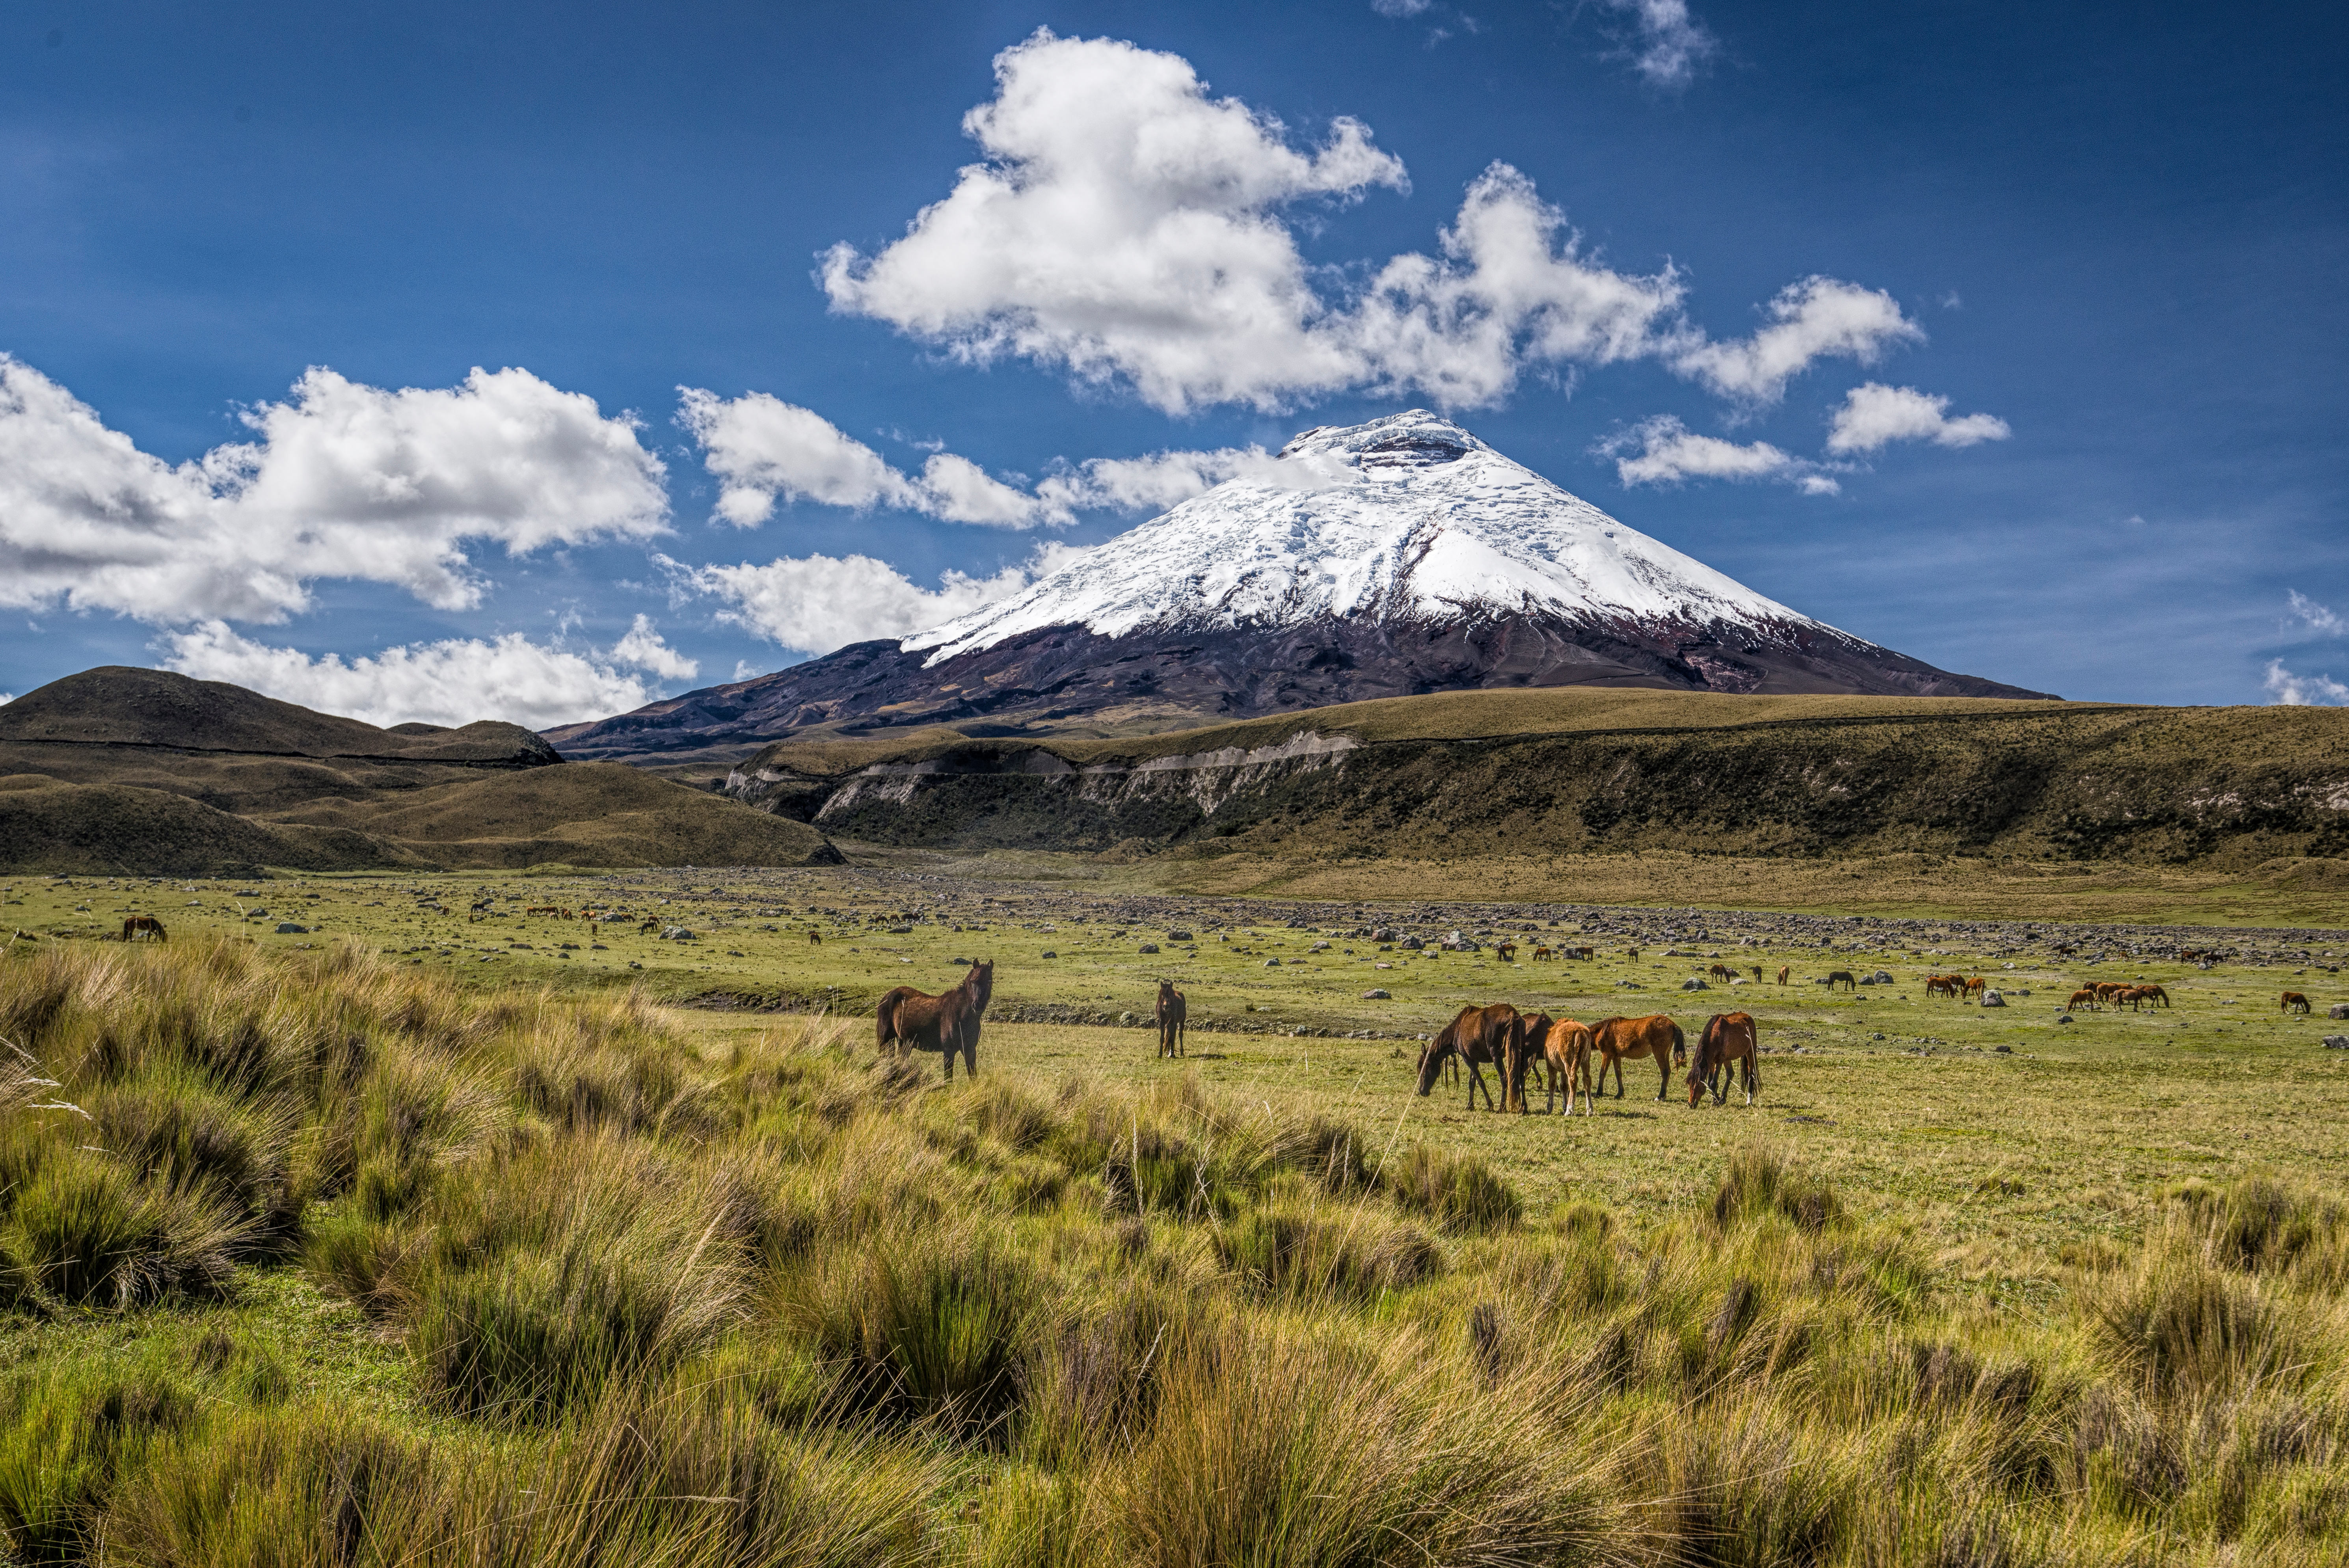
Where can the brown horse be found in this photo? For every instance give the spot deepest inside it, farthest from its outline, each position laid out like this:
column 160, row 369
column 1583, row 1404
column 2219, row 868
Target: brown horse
column 1842, row 976
column 1480, row 1035
column 1728, row 1039
column 1975, row 986
column 1721, row 973
column 2080, row 999
column 2294, row 1002
column 914, row 1021
column 1521, row 1054
column 1565, row 1047
column 135, row 924
column 816, row 938
column 2153, row 993
column 1782, row 971
column 1618, row 1040
column 1946, row 985
column 1171, row 1014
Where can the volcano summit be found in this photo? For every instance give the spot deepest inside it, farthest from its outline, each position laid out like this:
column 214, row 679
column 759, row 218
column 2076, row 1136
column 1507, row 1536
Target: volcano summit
column 1383, row 559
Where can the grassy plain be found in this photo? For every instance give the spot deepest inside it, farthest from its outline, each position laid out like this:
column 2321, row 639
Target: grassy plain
column 329, row 1256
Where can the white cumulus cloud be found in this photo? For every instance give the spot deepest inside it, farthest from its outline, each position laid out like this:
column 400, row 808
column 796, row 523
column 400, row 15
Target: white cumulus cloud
column 641, row 647
column 2303, row 691
column 1669, row 43
column 819, row 603
column 1874, row 416
column 341, row 479
column 1662, row 451
column 2315, row 616
column 453, row 683
column 1819, row 317
column 1127, row 226
column 760, row 447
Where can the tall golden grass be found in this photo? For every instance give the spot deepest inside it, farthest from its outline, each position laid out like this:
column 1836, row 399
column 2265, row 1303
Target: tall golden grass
column 779, row 1305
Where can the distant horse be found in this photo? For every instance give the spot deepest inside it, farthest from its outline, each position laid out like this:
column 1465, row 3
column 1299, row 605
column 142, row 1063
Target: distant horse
column 1504, row 951
column 1842, row 976
column 147, row 923
column 1757, row 974
column 2081, row 999
column 1585, row 954
column 816, row 938
column 1480, row 1035
column 1728, row 1039
column 2153, row 993
column 914, row 1021
column 1944, row 984
column 1541, row 953
column 1976, row 986
column 1720, row 971
column 2294, row 1002
column 1171, row 1014
column 1782, row 971
column 1618, row 1040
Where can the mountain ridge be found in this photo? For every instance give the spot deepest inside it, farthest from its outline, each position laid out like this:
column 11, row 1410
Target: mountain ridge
column 1396, row 558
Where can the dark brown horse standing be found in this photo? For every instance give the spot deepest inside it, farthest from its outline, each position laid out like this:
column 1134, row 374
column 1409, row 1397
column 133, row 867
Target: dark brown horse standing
column 914, row 1021
column 1171, row 1014
column 135, row 924
column 1730, row 1039
column 1480, row 1035
column 1618, row 1040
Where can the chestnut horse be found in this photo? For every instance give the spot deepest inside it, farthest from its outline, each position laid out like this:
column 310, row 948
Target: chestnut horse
column 1478, row 1034
column 1728, row 1039
column 135, row 924
column 915, row 1020
column 1565, row 1048
column 1171, row 1014
column 1618, row 1040
column 2080, row 998
column 2294, row 1002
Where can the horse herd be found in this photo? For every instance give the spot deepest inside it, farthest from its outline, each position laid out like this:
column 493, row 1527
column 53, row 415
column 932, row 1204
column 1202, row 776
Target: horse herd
column 1516, row 1044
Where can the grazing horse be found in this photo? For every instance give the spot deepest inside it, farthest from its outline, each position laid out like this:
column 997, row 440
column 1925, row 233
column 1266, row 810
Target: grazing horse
column 135, row 924
column 1585, row 954
column 2153, row 993
column 1841, row 977
column 1757, row 974
column 1541, row 953
column 2294, row 1002
column 816, row 938
column 1504, row 951
column 1618, row 1040
column 1728, row 1039
column 1721, row 973
column 1480, row 1035
column 914, row 1021
column 2080, row 999
column 1976, row 986
column 1565, row 1048
column 1784, row 970
column 1171, row 1014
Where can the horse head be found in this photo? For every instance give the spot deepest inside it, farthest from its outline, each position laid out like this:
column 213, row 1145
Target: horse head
column 1431, row 1061
column 1699, row 1068
column 981, row 982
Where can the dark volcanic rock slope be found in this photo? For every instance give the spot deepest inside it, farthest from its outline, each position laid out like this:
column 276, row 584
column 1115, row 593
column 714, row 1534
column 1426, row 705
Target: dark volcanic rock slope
column 1388, row 559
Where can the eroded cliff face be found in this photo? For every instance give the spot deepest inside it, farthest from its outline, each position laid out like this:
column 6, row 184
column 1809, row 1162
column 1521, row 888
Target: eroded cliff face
column 2209, row 787
column 1025, row 796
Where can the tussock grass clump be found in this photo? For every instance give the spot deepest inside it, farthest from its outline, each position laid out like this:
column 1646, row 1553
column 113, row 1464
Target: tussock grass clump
column 931, row 1326
column 1763, row 1180
column 89, row 1234
column 1459, row 1192
column 70, row 1430
column 1285, row 1441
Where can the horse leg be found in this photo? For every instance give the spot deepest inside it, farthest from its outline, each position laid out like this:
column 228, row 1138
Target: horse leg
column 1753, row 1076
column 1476, row 1082
column 1664, row 1075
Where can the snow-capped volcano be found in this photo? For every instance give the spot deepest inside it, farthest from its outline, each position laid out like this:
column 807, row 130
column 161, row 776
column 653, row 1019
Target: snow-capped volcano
column 1384, row 559
column 1405, row 519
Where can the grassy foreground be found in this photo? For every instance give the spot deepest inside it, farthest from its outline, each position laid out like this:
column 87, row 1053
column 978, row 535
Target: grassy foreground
column 316, row 1259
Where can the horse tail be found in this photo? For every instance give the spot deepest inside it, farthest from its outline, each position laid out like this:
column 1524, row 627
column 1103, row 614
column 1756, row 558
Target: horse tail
column 1680, row 1041
column 885, row 1020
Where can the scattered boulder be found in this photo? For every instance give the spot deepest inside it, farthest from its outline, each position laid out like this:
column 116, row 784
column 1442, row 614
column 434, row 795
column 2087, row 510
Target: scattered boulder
column 1413, row 944
column 1148, row 947
column 1378, row 994
column 2336, row 1042
column 2062, row 1018
column 1272, row 964
column 2338, row 1010
column 1992, row 999
column 1049, row 953
column 1693, row 983
column 1178, row 936
column 288, row 929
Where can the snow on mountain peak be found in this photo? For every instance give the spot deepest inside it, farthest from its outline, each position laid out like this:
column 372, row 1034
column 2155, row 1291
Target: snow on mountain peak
column 1407, row 518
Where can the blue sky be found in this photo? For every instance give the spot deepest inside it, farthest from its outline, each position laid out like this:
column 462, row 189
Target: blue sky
column 2088, row 257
